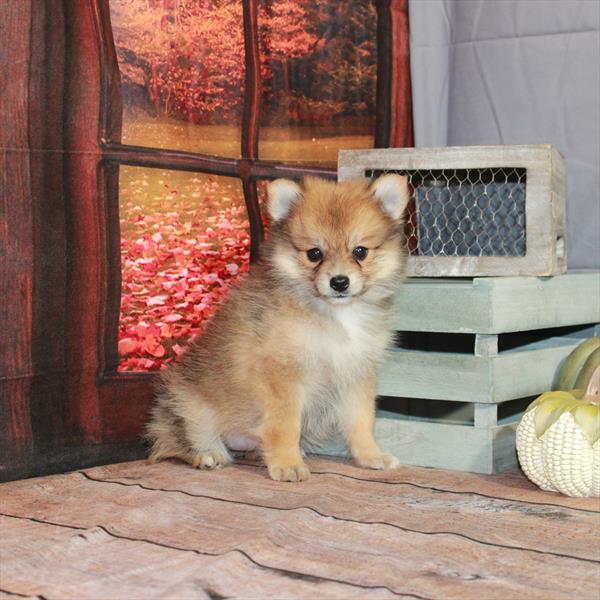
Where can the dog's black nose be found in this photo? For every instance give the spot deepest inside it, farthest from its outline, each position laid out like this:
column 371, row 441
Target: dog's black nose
column 339, row 283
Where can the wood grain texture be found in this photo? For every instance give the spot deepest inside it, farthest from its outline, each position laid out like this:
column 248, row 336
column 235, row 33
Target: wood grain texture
column 16, row 251
column 59, row 243
column 46, row 87
column 401, row 121
column 173, row 532
column 86, row 219
column 418, row 508
column 393, row 106
column 132, row 568
column 508, row 486
column 32, row 232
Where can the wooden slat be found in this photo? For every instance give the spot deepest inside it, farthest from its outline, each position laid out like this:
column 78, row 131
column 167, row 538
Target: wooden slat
column 498, row 304
column 401, row 121
column 60, row 562
column 385, row 68
column 440, row 445
column 566, row 531
column 32, row 230
column 393, row 102
column 179, row 160
column 450, row 157
column 16, row 247
column 559, row 208
column 87, row 248
column 469, row 378
column 402, row 536
column 509, row 486
column 447, row 446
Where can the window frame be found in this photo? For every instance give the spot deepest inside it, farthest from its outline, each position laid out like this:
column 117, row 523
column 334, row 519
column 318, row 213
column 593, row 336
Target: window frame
column 393, row 127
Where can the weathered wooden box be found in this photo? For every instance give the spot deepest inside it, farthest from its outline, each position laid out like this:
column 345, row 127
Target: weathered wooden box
column 476, row 210
column 476, row 352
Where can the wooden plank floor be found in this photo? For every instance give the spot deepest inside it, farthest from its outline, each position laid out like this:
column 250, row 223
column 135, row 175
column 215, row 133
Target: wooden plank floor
column 135, row 530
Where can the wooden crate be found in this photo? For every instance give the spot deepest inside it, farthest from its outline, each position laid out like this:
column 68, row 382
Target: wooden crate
column 459, row 410
column 476, row 210
column 471, row 437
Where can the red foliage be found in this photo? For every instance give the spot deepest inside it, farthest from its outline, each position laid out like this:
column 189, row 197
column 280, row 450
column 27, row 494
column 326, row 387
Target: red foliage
column 177, row 267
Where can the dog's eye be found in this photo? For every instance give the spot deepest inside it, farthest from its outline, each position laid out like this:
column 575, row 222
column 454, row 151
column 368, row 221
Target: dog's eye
column 314, row 255
column 360, row 253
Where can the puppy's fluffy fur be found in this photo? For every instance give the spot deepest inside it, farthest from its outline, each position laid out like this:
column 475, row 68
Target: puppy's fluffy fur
column 290, row 361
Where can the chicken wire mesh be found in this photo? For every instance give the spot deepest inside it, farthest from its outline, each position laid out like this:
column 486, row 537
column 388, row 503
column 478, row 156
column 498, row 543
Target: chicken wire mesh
column 465, row 212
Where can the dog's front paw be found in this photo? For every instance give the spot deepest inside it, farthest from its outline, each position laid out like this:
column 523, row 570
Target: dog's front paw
column 211, row 459
column 297, row 472
column 377, row 461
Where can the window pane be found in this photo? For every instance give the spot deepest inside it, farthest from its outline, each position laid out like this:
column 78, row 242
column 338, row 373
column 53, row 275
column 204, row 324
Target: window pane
column 184, row 240
column 319, row 76
column 182, row 71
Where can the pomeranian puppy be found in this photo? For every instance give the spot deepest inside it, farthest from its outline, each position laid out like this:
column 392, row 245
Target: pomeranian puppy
column 291, row 358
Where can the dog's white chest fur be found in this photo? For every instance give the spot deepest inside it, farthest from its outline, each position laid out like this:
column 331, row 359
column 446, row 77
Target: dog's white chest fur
column 348, row 340
column 346, row 347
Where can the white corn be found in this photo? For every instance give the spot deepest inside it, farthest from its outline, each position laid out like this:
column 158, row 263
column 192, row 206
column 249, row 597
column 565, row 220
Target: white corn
column 562, row 459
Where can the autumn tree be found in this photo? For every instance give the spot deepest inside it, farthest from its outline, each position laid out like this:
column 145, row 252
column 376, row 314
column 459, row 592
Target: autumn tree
column 185, row 58
column 285, row 34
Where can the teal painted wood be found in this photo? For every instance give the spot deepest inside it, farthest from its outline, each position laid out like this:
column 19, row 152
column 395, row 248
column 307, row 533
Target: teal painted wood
column 517, row 373
column 442, row 446
column 486, row 344
column 491, row 305
column 485, row 415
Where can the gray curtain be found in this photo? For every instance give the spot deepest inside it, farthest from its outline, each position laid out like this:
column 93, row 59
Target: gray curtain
column 515, row 72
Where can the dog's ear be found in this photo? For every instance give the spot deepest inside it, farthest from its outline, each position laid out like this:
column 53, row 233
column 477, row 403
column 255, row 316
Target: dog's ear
column 391, row 191
column 282, row 193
